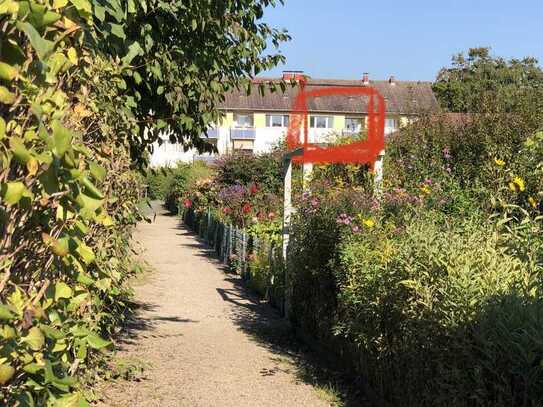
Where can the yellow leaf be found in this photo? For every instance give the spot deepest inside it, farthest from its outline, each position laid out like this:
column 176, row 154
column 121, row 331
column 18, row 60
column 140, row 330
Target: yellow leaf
column 72, row 55
column 32, row 166
column 59, row 3
column 6, row 96
column 69, row 23
column 6, row 373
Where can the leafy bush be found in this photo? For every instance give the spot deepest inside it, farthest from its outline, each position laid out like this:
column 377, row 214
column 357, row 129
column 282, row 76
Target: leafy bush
column 85, row 87
column 432, row 292
column 438, row 303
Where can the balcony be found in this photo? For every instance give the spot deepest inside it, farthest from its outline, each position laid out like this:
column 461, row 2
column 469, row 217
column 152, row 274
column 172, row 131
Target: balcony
column 243, row 134
column 212, row 133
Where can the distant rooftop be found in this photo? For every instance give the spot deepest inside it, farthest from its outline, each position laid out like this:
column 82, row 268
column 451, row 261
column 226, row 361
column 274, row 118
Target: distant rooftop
column 401, row 97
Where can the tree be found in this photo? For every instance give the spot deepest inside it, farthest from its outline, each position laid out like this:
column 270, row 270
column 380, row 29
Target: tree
column 479, row 77
column 183, row 56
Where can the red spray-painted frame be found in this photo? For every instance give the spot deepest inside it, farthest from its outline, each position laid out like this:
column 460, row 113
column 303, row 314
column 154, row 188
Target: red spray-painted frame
column 361, row 152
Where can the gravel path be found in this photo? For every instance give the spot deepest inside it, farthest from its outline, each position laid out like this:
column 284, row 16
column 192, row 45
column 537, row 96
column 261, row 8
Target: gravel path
column 206, row 340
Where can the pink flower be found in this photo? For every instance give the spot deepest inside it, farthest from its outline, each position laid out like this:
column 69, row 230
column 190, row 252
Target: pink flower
column 271, row 216
column 226, row 210
column 187, row 203
column 254, row 189
column 355, row 229
column 314, row 202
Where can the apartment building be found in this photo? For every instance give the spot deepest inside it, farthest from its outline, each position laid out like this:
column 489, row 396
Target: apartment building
column 255, row 123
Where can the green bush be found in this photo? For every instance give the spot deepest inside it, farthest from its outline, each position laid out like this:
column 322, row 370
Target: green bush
column 440, row 314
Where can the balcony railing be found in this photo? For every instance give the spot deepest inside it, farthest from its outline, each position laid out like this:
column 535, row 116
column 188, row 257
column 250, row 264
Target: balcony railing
column 212, row 133
column 243, row 134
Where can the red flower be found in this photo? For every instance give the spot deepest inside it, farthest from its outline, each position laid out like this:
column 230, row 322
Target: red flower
column 246, row 208
column 187, row 203
column 253, row 189
column 226, row 210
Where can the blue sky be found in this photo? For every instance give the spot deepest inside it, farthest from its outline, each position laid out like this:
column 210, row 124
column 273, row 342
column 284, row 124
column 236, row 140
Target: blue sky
column 411, row 39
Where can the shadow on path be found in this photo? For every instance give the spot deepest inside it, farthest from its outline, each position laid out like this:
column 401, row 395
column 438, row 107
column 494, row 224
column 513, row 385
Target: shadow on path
column 264, row 325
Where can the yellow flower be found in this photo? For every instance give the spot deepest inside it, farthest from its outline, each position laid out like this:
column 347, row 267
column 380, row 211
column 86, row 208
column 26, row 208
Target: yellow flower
column 369, row 223
column 532, row 202
column 499, row 162
column 425, row 189
column 517, row 182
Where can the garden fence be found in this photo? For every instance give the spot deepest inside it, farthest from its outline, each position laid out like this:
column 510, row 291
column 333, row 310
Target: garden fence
column 257, row 261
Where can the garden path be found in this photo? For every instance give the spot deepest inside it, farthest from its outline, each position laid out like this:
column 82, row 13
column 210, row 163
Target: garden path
column 206, row 340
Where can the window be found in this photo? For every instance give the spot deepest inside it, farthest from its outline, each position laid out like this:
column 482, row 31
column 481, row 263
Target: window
column 353, row 124
column 391, row 124
column 276, row 120
column 321, row 122
column 243, row 120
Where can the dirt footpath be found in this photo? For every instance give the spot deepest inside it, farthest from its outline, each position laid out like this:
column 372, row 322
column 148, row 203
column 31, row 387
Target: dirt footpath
column 206, row 340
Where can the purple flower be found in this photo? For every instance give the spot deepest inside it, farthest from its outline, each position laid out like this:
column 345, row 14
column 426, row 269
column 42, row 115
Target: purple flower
column 446, row 153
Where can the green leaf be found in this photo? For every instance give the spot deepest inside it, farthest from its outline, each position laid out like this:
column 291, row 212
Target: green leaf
column 35, row 338
column 62, row 290
column 91, row 189
column 118, row 31
column 99, row 12
column 62, row 138
column 83, row 7
column 86, row 202
column 131, row 6
column 84, row 279
column 52, row 333
column 71, row 400
column 7, row 72
column 6, row 97
column 12, row 192
column 133, row 51
column 5, row 313
column 86, row 253
column 97, row 171
column 6, row 373
column 42, row 46
column 19, row 150
column 96, row 342
column 2, row 128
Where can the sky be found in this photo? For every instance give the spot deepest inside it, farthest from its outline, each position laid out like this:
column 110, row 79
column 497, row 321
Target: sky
column 410, row 39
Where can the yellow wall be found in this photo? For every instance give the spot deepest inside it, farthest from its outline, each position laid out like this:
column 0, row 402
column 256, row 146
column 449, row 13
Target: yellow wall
column 228, row 121
column 259, row 120
column 339, row 122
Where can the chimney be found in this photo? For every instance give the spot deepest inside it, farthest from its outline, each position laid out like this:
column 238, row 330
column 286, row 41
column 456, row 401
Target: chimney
column 293, row 75
column 366, row 78
column 392, row 80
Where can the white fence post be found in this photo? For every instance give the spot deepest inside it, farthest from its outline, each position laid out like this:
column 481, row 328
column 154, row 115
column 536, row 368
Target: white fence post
column 378, row 170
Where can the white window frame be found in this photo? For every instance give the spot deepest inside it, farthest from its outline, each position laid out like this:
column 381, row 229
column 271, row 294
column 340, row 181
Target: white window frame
column 244, row 125
column 395, row 123
column 329, row 121
column 284, row 120
column 360, row 126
